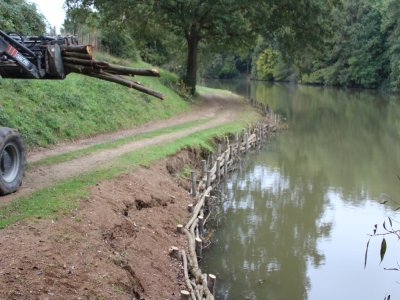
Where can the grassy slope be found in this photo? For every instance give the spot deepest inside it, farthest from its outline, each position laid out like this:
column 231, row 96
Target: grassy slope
column 48, row 111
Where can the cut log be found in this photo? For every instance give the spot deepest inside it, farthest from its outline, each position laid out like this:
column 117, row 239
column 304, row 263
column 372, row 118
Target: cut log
column 120, row 70
column 128, row 83
column 77, row 55
column 85, row 62
column 87, row 49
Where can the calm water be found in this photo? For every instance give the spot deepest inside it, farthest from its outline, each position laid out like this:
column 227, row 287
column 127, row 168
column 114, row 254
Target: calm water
column 297, row 215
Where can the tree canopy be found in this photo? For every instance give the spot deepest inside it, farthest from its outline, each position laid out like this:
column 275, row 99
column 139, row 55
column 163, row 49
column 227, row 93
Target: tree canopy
column 215, row 24
column 20, row 16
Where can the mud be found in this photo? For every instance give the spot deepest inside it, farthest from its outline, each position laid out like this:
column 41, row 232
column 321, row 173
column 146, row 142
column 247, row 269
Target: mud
column 114, row 246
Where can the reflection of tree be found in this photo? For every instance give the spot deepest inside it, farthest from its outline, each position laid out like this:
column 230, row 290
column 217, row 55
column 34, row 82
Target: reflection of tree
column 350, row 135
column 269, row 234
column 338, row 139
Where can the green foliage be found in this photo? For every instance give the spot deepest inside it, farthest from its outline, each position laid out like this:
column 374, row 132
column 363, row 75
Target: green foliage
column 165, row 30
column 223, row 66
column 391, row 29
column 266, row 63
column 363, row 52
column 20, row 16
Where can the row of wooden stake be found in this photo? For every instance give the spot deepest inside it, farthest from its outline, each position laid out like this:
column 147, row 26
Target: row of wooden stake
column 202, row 286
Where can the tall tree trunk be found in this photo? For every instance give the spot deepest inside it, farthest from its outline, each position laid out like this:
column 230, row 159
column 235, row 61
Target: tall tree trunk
column 191, row 67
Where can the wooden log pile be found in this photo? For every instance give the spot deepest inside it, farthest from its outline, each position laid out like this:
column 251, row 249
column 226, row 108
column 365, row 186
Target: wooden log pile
column 202, row 286
column 79, row 59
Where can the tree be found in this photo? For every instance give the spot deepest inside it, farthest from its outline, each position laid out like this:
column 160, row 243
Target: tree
column 20, row 16
column 220, row 24
column 391, row 28
column 266, row 63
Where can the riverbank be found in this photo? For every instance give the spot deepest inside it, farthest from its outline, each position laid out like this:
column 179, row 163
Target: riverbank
column 105, row 234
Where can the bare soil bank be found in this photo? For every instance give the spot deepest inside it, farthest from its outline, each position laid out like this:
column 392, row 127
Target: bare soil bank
column 115, row 246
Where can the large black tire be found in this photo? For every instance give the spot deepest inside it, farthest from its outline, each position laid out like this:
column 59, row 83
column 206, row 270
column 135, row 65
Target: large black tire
column 12, row 160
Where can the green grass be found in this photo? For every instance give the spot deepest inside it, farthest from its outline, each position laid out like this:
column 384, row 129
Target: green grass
column 65, row 195
column 48, row 111
column 112, row 144
column 206, row 90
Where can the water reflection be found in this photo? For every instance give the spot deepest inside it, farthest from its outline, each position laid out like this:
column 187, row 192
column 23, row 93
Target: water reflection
column 269, row 209
column 351, row 137
column 297, row 214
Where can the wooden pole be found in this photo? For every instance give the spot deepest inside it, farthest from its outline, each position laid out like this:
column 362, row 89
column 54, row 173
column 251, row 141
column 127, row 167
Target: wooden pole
column 203, row 168
column 219, row 151
column 218, row 171
column 208, row 179
column 207, row 202
column 128, row 83
column 194, row 186
column 185, row 295
column 211, row 281
column 199, row 247
column 77, row 55
column 87, row 49
column 174, row 252
column 132, row 71
column 226, row 164
column 201, row 224
column 179, row 228
column 190, row 208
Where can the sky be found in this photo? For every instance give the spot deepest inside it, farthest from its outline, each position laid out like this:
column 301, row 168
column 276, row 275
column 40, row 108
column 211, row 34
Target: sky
column 52, row 10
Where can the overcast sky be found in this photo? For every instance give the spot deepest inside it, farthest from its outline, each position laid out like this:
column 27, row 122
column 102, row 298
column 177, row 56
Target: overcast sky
column 52, row 10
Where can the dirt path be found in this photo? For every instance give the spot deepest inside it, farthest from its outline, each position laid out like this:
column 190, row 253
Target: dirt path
column 115, row 246
column 216, row 108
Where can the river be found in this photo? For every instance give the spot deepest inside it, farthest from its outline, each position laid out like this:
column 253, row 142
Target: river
column 297, row 215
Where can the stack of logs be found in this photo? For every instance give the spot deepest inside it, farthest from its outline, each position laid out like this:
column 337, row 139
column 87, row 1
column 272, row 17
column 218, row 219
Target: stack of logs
column 79, row 59
column 199, row 285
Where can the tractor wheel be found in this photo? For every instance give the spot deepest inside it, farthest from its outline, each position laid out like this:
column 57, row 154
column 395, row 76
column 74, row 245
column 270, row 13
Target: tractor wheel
column 12, row 160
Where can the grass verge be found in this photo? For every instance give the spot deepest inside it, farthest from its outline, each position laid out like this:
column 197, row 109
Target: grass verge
column 65, row 195
column 112, row 144
column 48, row 111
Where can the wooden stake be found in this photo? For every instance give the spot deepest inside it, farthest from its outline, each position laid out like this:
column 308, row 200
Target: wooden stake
column 211, row 281
column 174, row 252
column 226, row 165
column 201, row 224
column 246, row 140
column 194, row 186
column 218, row 171
column 219, row 151
column 190, row 208
column 185, row 295
column 203, row 169
column 207, row 201
column 199, row 247
column 208, row 179
column 179, row 228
